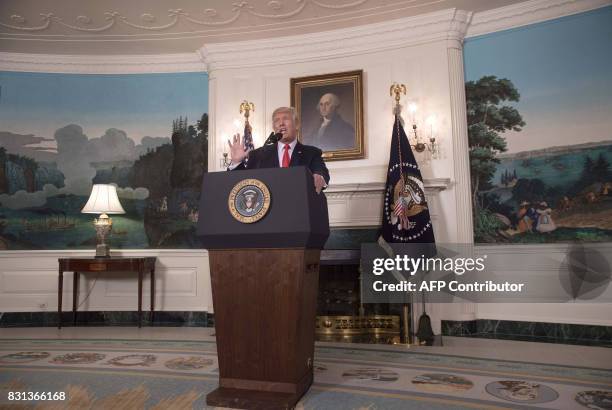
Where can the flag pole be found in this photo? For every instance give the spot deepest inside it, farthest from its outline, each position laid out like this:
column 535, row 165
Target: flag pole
column 398, row 89
column 406, row 217
column 247, row 107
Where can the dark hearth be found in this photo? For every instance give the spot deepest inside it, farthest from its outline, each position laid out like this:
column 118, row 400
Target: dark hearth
column 341, row 317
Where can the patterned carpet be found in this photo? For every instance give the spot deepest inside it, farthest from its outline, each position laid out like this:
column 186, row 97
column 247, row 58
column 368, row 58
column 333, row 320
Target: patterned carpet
column 161, row 374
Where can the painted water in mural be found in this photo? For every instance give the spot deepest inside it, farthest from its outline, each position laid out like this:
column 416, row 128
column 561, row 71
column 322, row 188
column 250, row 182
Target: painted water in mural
column 541, row 139
column 147, row 146
column 556, row 194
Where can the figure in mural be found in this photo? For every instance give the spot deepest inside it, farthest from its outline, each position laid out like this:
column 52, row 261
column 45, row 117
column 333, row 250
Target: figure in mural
column 564, row 204
column 533, row 215
column 193, row 216
column 545, row 222
column 524, row 221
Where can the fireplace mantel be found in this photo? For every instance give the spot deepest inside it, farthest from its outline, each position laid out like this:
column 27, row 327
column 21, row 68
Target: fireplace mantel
column 336, row 190
column 357, row 205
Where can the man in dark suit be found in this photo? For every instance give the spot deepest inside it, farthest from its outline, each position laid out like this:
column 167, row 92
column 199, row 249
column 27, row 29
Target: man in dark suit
column 287, row 152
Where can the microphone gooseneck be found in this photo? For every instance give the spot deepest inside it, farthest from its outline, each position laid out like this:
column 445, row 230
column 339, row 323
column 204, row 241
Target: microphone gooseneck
column 273, row 138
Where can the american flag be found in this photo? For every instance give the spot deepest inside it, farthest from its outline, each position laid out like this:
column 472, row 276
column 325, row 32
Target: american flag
column 399, row 207
column 248, row 137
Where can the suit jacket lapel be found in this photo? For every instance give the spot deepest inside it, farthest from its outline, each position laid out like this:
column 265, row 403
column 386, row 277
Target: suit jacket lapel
column 275, row 162
column 297, row 156
column 271, row 156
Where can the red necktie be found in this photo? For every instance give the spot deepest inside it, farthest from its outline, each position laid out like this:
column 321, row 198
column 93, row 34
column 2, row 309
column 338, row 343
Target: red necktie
column 286, row 156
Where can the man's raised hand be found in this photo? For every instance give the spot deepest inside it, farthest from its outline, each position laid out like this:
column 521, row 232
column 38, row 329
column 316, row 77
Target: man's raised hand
column 237, row 149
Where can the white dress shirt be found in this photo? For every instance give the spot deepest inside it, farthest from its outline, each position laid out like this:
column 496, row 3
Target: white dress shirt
column 281, row 151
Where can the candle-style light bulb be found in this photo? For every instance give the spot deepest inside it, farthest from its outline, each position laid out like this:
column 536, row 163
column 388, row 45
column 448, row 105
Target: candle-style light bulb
column 412, row 108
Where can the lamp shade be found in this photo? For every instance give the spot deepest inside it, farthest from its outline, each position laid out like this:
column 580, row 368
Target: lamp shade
column 103, row 200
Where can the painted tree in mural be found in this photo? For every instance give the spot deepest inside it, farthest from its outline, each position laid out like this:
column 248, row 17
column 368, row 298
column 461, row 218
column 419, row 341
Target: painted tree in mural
column 487, row 118
column 202, row 132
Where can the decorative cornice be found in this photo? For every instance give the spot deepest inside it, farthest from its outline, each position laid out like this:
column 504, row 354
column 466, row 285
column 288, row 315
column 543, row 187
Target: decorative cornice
column 529, row 12
column 443, row 25
column 451, row 25
column 117, row 29
column 206, row 19
column 110, row 64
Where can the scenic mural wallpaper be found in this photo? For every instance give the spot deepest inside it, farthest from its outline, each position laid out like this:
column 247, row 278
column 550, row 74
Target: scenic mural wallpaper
column 539, row 105
column 61, row 133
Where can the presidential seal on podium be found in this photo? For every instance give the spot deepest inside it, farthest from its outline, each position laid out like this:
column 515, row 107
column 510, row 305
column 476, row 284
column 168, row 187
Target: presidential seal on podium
column 249, row 200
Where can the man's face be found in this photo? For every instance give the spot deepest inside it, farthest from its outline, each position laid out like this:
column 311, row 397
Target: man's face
column 326, row 106
column 283, row 122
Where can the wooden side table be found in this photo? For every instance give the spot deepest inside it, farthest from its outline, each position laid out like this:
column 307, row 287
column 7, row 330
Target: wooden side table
column 112, row 264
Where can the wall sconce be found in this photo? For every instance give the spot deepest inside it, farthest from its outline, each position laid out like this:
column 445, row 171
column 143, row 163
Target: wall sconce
column 225, row 161
column 417, row 142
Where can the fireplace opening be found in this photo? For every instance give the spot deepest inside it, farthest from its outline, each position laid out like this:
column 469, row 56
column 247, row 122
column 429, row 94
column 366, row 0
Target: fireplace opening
column 341, row 315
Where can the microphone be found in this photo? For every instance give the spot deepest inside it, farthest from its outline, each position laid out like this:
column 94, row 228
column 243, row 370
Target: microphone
column 273, row 138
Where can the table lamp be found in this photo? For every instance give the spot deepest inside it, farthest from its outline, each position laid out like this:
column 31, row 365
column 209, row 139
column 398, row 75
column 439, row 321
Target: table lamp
column 103, row 200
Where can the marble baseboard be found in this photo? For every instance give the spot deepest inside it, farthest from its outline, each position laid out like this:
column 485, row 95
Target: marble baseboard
column 111, row 318
column 350, row 238
column 565, row 333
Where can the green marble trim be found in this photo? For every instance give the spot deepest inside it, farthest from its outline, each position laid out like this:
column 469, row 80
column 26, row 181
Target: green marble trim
column 106, row 318
column 564, row 333
column 342, row 238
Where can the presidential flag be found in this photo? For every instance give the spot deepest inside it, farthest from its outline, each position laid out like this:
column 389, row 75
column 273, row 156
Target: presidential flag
column 406, row 213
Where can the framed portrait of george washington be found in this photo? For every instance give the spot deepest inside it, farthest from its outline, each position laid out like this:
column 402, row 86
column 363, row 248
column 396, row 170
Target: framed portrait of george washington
column 330, row 108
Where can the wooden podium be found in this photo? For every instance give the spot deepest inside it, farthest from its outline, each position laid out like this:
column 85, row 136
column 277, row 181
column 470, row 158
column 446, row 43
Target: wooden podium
column 264, row 282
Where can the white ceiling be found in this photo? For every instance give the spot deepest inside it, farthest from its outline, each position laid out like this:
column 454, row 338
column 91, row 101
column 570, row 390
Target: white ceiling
column 112, row 27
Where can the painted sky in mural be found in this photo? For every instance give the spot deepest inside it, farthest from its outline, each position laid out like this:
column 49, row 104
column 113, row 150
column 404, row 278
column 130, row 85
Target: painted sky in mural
column 562, row 71
column 552, row 181
column 59, row 133
column 139, row 104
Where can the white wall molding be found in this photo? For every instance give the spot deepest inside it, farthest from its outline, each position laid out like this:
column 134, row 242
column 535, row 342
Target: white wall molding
column 528, row 12
column 461, row 160
column 544, row 265
column 108, row 64
column 28, row 282
column 448, row 24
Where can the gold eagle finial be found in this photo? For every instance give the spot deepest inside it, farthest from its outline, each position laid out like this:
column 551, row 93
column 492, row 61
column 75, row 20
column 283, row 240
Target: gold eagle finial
column 246, row 107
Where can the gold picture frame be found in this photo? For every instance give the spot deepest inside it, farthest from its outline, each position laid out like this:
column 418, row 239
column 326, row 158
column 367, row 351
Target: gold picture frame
column 330, row 108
